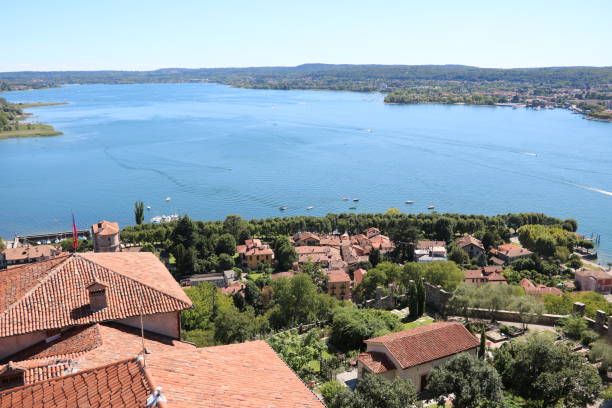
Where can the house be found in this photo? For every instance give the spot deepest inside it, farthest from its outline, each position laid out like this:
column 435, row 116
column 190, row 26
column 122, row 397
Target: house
column 358, row 275
column 339, row 284
column 41, row 300
column 510, row 253
column 484, row 275
column 538, row 290
column 236, row 287
column 254, row 253
column 471, row 246
column 174, row 379
column 413, row 353
column 430, row 251
column 105, row 235
column 324, row 256
column 594, row 280
column 27, row 254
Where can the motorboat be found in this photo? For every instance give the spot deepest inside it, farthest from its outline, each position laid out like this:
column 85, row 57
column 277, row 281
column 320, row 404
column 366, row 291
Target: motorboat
column 310, row 207
column 168, row 198
column 409, row 202
column 355, row 199
column 431, row 207
column 283, row 208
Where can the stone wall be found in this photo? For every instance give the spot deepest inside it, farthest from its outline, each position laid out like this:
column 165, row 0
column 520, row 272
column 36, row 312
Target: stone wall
column 436, row 297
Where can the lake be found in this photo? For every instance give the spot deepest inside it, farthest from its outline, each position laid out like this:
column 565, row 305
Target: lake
column 217, row 150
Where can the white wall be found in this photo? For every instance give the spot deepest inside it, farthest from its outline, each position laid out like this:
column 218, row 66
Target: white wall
column 166, row 323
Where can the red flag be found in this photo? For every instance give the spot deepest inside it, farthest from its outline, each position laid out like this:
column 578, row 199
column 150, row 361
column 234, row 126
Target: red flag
column 75, row 234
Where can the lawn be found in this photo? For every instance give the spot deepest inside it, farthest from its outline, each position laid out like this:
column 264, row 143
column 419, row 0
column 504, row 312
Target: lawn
column 35, row 131
column 418, row 322
column 254, row 276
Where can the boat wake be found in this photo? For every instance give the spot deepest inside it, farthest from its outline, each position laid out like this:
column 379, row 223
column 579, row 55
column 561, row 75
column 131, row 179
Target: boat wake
column 608, row 193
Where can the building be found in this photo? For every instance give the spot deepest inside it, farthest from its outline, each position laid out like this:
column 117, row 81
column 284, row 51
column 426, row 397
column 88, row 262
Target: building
column 27, row 254
column 259, row 378
column 105, row 235
column 358, row 275
column 538, row 290
column 339, row 284
column 254, row 253
column 430, row 251
column 221, row 280
column 325, row 256
column 40, row 301
column 471, row 246
column 594, row 280
column 484, row 275
column 413, row 353
column 507, row 254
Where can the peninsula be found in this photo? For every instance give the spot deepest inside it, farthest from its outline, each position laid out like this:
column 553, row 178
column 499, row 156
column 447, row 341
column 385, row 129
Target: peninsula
column 12, row 125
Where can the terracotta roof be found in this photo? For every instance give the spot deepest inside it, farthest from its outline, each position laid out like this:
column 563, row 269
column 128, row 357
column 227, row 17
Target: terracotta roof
column 511, row 251
column 282, row 275
column 54, row 295
column 376, row 362
column 426, row 343
column 87, row 347
column 254, row 247
column 105, row 228
column 337, row 276
column 467, row 240
column 429, row 244
column 120, row 384
column 496, row 260
column 538, row 290
column 359, row 274
column 30, row 252
column 593, row 273
column 246, row 375
column 233, row 288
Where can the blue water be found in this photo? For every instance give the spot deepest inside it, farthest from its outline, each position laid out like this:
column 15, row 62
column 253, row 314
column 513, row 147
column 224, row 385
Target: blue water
column 217, row 150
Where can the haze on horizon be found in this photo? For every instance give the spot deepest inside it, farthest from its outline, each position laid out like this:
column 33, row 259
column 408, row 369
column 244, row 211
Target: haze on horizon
column 138, row 35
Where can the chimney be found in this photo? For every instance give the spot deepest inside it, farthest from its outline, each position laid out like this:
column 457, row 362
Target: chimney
column 97, row 295
column 12, row 376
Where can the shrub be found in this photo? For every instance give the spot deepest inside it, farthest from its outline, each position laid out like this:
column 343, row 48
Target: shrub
column 588, row 337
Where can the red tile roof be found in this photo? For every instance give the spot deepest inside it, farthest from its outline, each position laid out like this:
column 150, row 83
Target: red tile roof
column 52, row 294
column 538, row 290
column 511, row 251
column 429, row 244
column 426, row 343
column 282, row 275
column 246, row 375
column 120, row 384
column 105, row 228
column 87, row 347
column 359, row 274
column 467, row 240
column 30, row 252
column 376, row 362
column 593, row 273
column 338, row 276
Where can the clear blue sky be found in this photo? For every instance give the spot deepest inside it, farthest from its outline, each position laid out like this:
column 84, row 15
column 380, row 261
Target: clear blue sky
column 138, row 34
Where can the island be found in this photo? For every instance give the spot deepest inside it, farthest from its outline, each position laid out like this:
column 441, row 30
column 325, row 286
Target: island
column 12, row 117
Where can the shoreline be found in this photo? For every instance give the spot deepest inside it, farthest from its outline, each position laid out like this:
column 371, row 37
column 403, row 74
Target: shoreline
column 30, row 129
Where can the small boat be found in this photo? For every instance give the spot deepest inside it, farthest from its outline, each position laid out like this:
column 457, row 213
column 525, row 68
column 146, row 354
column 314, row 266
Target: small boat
column 344, row 199
column 352, row 208
column 431, row 207
column 168, row 199
column 310, row 207
column 283, row 208
column 149, row 207
column 355, row 199
column 409, row 202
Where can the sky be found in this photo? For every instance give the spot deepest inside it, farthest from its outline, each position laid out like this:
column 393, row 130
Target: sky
column 142, row 35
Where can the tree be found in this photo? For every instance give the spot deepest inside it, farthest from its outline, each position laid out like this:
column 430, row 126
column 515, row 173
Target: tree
column 573, row 326
column 462, row 300
column 184, row 232
column 420, row 292
column 235, row 226
column 474, row 382
column 186, row 260
column 226, row 263
column 458, row 256
column 139, row 212
column 284, row 253
column 538, row 369
column 384, row 274
column 298, row 350
column 527, row 307
column 413, row 301
column 351, row 326
column 231, row 326
column 482, row 348
column 375, row 257
column 443, row 229
column 226, row 244
column 374, row 391
column 601, row 352
column 316, row 274
column 446, row 274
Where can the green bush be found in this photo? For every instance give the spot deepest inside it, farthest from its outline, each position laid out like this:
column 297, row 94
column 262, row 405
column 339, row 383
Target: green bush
column 588, row 337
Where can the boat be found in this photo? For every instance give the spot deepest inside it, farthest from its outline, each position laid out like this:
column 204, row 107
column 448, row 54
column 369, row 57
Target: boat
column 168, row 199
column 283, row 208
column 310, row 207
column 431, row 207
column 355, row 199
column 352, row 208
column 344, row 199
column 409, row 202
column 149, row 207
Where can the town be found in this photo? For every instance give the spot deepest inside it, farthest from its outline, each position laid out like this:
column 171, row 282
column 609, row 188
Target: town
column 344, row 311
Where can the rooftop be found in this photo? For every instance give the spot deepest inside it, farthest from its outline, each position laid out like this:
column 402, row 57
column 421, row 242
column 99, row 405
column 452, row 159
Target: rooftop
column 105, row 228
column 30, row 252
column 53, row 294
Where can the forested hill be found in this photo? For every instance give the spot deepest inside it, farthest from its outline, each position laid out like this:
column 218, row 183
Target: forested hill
column 325, row 76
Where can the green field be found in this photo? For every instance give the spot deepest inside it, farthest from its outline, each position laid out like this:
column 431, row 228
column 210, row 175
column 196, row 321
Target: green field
column 34, row 131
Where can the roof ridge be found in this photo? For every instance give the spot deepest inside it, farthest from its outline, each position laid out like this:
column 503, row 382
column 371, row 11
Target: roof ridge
column 51, row 272
column 134, row 280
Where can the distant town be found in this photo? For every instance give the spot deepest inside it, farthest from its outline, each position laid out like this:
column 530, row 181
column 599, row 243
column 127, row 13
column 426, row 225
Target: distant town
column 342, row 311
